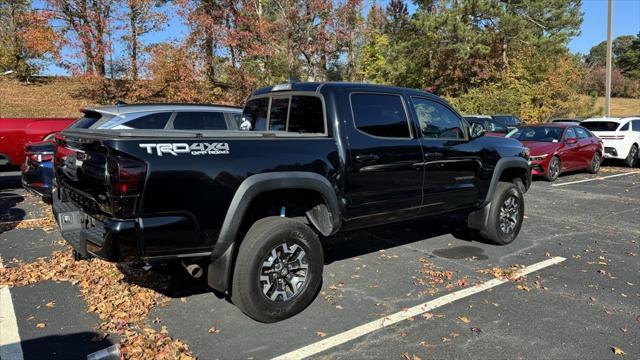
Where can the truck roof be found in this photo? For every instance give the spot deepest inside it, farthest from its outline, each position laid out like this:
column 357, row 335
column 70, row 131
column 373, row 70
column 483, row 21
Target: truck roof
column 317, row 86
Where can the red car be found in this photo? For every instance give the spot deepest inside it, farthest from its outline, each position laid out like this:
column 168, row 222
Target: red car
column 15, row 133
column 559, row 147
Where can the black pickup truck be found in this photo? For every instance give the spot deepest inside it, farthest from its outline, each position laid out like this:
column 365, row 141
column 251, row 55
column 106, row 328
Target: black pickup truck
column 248, row 209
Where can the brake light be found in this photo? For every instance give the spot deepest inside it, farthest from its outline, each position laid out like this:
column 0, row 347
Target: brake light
column 40, row 157
column 126, row 176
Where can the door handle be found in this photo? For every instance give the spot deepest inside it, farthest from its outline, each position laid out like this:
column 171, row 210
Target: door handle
column 367, row 159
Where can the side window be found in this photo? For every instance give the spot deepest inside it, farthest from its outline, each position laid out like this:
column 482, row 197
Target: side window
column 496, row 127
column 151, row 121
column 256, row 112
column 625, row 127
column 199, row 121
column 571, row 134
column 278, row 115
column 635, row 125
column 582, row 134
column 436, row 121
column 306, row 115
column 380, row 115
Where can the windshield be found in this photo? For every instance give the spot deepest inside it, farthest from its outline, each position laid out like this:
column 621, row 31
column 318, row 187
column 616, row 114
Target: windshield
column 600, row 125
column 508, row 120
column 542, row 133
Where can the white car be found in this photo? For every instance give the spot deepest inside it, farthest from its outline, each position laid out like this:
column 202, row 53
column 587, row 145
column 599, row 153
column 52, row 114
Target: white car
column 620, row 135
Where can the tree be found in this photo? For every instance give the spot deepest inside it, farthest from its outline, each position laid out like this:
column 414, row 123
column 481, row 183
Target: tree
column 629, row 59
column 143, row 18
column 597, row 55
column 86, row 24
column 25, row 38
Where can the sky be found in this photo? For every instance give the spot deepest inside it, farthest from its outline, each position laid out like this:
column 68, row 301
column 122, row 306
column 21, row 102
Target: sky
column 626, row 21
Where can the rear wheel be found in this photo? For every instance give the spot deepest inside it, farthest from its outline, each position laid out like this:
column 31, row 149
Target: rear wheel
column 632, row 157
column 554, row 169
column 506, row 214
column 278, row 270
column 596, row 160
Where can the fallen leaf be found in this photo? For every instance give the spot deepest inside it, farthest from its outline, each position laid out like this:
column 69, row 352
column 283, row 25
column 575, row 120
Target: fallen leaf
column 339, row 307
column 617, row 351
column 321, row 333
column 523, row 287
column 51, row 304
column 427, row 315
column 464, row 319
column 213, row 330
column 41, row 325
column 405, row 356
column 425, row 344
column 416, row 357
column 476, row 330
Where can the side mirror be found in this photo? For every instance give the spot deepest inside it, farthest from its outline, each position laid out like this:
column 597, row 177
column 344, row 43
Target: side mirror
column 476, row 130
column 571, row 140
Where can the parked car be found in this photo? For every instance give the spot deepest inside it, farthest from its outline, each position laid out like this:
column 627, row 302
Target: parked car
column 510, row 121
column 162, row 116
column 37, row 174
column 247, row 209
column 492, row 127
column 15, row 133
column 621, row 136
column 558, row 147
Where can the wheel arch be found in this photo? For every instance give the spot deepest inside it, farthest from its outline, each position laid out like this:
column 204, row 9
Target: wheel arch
column 508, row 169
column 325, row 217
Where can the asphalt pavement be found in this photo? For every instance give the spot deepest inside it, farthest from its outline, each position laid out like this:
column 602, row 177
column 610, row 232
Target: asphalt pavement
column 582, row 307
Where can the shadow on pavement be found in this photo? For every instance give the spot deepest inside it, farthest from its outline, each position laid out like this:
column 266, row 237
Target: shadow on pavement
column 9, row 213
column 67, row 347
column 172, row 280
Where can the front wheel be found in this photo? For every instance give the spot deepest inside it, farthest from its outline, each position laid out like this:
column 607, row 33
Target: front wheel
column 596, row 160
column 632, row 156
column 278, row 270
column 553, row 170
column 506, row 214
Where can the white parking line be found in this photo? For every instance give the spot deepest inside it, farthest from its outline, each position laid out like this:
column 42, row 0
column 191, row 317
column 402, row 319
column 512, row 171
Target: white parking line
column 594, row 179
column 10, row 348
column 365, row 329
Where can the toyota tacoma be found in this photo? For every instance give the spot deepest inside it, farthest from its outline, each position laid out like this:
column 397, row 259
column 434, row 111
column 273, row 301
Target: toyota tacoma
column 247, row 209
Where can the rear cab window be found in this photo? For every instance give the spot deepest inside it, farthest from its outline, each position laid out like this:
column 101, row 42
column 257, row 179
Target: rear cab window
column 290, row 113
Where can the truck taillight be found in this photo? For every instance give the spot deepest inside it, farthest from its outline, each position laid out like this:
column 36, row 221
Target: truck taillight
column 126, row 176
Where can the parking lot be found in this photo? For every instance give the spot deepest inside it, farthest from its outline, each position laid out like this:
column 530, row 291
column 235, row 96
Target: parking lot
column 580, row 240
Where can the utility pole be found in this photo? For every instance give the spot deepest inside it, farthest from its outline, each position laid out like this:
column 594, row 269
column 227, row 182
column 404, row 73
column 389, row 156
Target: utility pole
column 607, row 96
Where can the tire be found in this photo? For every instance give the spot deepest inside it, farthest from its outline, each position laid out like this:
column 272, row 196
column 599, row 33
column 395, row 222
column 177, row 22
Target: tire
column 507, row 207
column 553, row 169
column 596, row 160
column 270, row 298
column 630, row 161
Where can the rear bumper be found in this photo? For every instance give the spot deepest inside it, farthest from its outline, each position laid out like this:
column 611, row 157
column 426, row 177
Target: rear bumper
column 616, row 149
column 111, row 240
column 37, row 180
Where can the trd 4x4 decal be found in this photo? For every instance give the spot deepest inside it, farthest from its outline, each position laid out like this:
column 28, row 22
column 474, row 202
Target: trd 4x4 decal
column 184, row 148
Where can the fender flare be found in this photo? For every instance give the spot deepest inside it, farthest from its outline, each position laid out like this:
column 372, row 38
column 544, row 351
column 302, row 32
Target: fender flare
column 478, row 219
column 502, row 165
column 219, row 270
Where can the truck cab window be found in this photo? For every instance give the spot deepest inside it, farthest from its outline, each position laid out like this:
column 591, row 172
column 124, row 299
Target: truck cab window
column 278, row 115
column 436, row 121
column 306, row 115
column 199, row 121
column 255, row 112
column 380, row 115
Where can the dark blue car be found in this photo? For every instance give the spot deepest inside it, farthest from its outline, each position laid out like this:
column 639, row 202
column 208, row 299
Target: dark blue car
column 37, row 169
